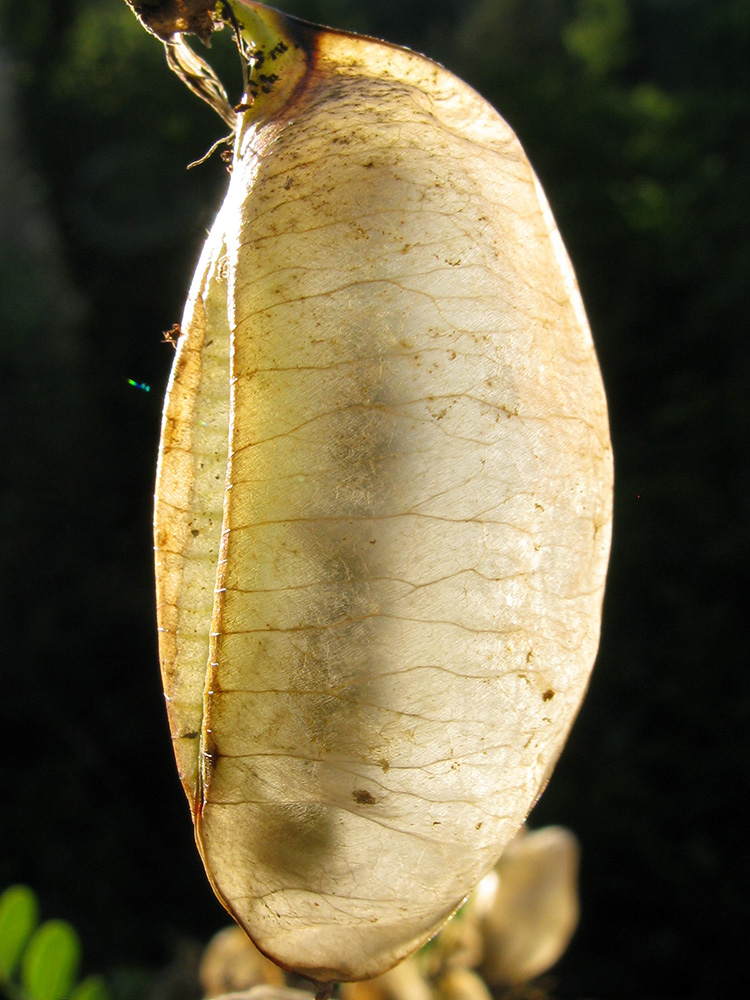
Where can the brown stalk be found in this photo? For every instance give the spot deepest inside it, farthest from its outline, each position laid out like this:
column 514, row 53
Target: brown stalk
column 165, row 18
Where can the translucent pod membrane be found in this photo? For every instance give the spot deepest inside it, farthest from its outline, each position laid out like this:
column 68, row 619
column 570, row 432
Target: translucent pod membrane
column 383, row 504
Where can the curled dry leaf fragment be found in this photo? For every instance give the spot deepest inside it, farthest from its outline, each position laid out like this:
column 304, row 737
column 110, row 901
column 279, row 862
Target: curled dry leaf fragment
column 383, row 501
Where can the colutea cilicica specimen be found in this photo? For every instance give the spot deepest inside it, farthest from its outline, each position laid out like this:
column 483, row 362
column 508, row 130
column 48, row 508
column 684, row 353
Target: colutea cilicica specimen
column 383, row 500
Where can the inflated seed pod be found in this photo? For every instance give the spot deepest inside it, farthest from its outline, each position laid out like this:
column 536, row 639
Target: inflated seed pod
column 383, row 502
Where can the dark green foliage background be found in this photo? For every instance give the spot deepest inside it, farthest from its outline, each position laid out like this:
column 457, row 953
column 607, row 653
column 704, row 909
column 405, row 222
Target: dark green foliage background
column 636, row 114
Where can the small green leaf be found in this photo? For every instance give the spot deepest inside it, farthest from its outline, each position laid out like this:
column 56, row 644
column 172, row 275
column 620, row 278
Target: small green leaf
column 50, row 964
column 92, row 988
column 18, row 918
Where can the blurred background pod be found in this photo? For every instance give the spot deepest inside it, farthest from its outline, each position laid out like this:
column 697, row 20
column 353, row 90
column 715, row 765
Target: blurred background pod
column 528, row 906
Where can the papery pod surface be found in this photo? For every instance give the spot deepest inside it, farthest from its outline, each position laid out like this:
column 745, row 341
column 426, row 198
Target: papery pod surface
column 383, row 503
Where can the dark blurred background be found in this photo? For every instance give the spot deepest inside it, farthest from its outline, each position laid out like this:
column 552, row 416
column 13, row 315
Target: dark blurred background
column 636, row 115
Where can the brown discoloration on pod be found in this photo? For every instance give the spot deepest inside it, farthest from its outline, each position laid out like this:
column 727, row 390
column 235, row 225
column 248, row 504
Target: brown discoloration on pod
column 363, row 798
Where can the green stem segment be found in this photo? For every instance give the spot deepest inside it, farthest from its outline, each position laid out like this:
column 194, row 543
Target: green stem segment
column 274, row 60
column 262, row 28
